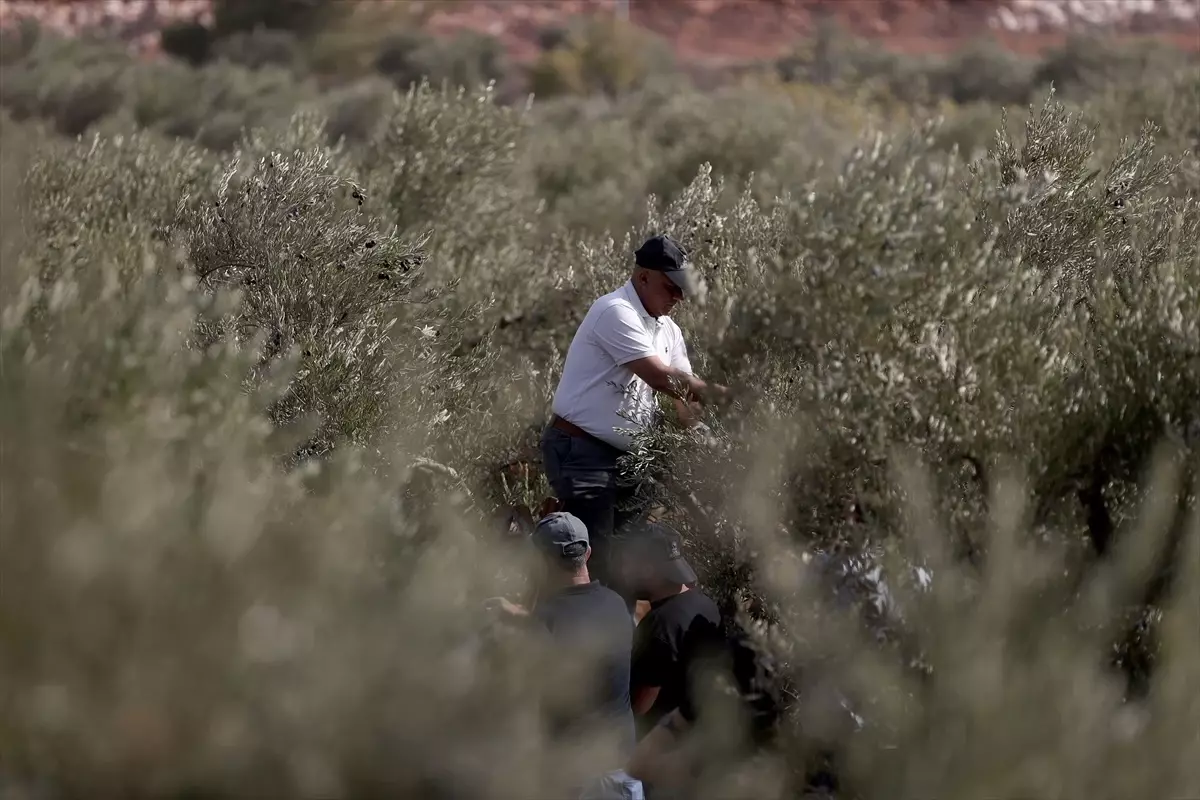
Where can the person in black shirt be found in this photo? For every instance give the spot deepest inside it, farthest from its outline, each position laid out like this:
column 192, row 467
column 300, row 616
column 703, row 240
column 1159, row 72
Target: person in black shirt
column 680, row 620
column 586, row 685
column 670, row 758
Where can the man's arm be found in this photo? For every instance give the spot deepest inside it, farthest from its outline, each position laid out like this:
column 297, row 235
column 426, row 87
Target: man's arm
column 686, row 412
column 643, row 699
column 658, row 759
column 500, row 610
column 505, row 607
column 681, row 385
column 619, row 332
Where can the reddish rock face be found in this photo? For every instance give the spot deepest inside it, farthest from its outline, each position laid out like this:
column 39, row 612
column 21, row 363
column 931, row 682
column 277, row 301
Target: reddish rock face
column 136, row 21
column 706, row 32
column 731, row 31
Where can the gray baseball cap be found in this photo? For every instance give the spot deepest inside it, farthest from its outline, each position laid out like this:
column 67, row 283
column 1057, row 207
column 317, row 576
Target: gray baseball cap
column 663, row 254
column 561, row 535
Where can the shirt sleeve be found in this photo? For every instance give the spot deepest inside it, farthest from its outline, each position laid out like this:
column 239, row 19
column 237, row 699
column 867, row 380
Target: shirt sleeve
column 620, row 334
column 652, row 660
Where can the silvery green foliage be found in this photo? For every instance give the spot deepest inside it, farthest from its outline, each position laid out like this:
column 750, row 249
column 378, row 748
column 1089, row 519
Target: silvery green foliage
column 106, row 199
column 441, row 162
column 437, row 148
column 319, row 278
column 72, row 186
column 147, row 531
column 1033, row 307
column 1118, row 254
column 217, row 104
column 901, row 308
column 72, row 83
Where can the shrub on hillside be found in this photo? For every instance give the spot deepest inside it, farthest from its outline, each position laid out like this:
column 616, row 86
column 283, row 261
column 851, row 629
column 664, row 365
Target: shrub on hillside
column 1007, row 324
column 600, row 55
column 165, row 506
column 1087, row 64
column 300, row 16
column 78, row 83
column 445, row 164
column 18, row 41
column 469, row 60
column 357, row 110
column 792, row 133
column 979, row 72
column 217, row 104
column 775, row 136
column 115, row 195
column 985, row 71
column 321, row 277
column 581, row 169
column 73, row 83
column 440, row 151
column 834, row 57
column 260, row 48
column 1171, row 103
column 254, row 33
column 18, row 140
column 191, row 42
column 398, row 56
column 1029, row 317
column 319, row 585
column 348, row 48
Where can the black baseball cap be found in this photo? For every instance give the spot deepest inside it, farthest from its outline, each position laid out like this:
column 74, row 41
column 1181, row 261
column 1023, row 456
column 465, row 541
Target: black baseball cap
column 664, row 254
column 561, row 535
column 660, row 548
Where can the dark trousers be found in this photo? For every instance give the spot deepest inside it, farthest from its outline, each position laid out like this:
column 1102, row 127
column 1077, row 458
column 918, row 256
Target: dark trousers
column 583, row 473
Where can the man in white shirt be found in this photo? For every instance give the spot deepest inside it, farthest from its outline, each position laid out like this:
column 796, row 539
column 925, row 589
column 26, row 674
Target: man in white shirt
column 626, row 350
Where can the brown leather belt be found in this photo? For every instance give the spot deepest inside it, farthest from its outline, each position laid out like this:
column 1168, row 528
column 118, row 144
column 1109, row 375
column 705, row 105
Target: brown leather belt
column 569, row 427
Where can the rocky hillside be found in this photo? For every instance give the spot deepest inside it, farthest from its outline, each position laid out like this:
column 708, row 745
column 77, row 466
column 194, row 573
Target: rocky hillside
column 707, row 31
column 736, row 30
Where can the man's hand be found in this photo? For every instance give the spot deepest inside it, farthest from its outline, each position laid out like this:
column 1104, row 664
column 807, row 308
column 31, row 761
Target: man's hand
column 688, row 413
column 718, row 395
column 709, row 394
column 505, row 608
column 658, row 758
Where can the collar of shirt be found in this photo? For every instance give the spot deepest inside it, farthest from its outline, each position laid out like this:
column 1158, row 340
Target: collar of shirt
column 632, row 296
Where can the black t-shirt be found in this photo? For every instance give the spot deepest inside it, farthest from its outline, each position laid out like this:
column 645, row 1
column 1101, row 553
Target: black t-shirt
column 592, row 625
column 673, row 628
column 751, row 671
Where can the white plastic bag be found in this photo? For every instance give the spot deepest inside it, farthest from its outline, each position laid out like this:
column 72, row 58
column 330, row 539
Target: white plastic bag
column 616, row 785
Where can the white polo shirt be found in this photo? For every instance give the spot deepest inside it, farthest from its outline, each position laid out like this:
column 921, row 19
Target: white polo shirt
column 597, row 391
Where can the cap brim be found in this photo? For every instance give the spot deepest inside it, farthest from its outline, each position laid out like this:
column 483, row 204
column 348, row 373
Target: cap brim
column 686, row 279
column 678, row 570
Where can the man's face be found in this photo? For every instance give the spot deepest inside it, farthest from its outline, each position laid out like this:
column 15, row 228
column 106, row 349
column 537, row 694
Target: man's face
column 659, row 293
column 639, row 576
